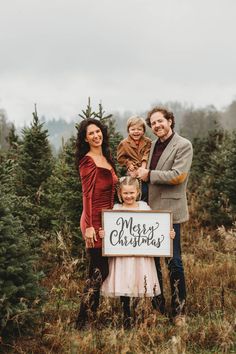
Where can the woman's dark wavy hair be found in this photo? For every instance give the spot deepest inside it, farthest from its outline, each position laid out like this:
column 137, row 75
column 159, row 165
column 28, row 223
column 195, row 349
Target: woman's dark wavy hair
column 82, row 147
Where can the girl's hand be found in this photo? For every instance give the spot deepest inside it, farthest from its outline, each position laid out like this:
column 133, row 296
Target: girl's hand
column 90, row 237
column 172, row 234
column 101, row 233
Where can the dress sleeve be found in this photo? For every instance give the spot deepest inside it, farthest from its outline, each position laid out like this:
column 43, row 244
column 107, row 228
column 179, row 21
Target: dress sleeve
column 117, row 207
column 88, row 172
column 143, row 205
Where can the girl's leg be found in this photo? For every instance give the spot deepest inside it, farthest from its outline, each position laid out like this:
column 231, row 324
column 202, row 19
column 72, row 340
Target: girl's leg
column 135, row 302
column 125, row 300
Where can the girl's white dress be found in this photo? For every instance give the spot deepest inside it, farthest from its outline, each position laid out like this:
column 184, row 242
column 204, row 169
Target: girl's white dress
column 131, row 276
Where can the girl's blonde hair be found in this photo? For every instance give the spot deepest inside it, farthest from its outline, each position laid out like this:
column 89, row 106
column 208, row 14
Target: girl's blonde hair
column 128, row 181
column 136, row 120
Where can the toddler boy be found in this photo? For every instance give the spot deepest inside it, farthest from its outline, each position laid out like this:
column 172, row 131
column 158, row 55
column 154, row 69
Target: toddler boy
column 133, row 151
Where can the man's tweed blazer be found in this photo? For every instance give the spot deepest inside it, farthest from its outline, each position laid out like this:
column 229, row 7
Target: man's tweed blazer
column 167, row 186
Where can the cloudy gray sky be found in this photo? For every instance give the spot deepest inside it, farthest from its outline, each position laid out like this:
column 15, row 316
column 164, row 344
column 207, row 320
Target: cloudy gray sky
column 127, row 53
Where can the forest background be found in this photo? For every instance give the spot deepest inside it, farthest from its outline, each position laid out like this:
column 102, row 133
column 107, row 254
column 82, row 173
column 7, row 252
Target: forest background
column 42, row 257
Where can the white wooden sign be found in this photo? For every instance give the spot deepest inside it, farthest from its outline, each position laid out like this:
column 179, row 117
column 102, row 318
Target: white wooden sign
column 137, row 233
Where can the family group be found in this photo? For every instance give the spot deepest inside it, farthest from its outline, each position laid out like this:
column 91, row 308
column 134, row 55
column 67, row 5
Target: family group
column 156, row 175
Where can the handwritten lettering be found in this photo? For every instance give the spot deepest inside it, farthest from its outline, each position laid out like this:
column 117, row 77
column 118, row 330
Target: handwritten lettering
column 129, row 234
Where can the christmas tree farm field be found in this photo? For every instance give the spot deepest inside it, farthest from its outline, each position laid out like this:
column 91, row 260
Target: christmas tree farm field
column 210, row 267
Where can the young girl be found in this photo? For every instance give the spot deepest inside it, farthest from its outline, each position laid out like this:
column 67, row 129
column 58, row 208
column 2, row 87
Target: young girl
column 131, row 276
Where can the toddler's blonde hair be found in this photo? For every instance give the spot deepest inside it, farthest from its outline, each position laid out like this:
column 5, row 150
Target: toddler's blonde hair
column 136, row 120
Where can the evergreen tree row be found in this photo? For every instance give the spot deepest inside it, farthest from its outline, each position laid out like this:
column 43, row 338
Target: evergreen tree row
column 40, row 197
column 212, row 184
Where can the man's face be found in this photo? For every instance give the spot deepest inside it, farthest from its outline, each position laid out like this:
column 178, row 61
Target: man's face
column 161, row 127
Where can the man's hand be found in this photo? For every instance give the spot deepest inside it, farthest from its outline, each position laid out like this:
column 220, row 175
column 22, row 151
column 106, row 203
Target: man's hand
column 142, row 173
column 90, row 237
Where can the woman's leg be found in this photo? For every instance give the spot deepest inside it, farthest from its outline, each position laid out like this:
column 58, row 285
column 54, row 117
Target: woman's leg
column 98, row 271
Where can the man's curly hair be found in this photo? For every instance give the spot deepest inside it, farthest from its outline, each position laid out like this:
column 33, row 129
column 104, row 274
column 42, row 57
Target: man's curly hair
column 167, row 114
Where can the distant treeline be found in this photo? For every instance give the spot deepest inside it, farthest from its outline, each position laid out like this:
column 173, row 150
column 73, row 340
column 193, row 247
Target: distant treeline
column 191, row 122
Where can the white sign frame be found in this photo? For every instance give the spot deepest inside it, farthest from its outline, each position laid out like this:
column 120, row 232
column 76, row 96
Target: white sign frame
column 125, row 235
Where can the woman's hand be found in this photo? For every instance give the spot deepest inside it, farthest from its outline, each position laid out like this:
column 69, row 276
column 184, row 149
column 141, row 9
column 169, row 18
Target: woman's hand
column 172, row 234
column 90, row 237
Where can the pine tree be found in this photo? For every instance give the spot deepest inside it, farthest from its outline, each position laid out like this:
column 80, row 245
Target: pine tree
column 114, row 138
column 35, row 162
column 230, row 173
column 203, row 148
column 35, row 167
column 4, row 130
column 19, row 281
column 212, row 203
column 14, row 143
column 65, row 196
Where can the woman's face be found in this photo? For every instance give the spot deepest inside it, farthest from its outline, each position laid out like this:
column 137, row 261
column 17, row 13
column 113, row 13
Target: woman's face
column 94, row 136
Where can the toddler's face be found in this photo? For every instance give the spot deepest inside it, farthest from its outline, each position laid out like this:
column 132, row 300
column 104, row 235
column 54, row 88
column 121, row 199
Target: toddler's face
column 136, row 131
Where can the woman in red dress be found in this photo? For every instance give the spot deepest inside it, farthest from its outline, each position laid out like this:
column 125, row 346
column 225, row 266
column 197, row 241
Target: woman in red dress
column 98, row 178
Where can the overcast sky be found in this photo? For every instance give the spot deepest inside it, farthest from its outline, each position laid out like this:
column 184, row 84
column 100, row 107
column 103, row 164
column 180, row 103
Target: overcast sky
column 126, row 53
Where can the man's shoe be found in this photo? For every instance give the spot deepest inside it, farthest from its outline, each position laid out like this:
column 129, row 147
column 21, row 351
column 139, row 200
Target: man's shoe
column 179, row 320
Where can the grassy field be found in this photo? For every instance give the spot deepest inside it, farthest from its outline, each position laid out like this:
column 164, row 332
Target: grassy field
column 210, row 267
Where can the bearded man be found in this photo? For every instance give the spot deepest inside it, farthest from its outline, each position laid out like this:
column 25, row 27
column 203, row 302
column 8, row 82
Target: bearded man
column 167, row 175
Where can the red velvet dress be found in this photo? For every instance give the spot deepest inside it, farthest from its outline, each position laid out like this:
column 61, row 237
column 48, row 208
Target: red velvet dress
column 98, row 187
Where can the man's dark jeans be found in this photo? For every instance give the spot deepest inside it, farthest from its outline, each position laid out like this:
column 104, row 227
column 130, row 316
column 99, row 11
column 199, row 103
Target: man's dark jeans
column 177, row 279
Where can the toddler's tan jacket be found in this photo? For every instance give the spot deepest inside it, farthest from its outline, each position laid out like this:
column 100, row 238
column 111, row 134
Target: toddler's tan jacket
column 128, row 152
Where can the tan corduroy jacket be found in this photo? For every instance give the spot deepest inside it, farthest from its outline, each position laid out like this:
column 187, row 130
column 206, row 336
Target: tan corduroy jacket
column 128, row 152
column 168, row 182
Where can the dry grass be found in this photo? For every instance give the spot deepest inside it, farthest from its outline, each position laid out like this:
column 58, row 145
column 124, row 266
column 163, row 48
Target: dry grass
column 210, row 267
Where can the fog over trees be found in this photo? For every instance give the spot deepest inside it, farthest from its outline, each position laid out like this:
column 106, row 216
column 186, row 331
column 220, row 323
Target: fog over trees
column 192, row 122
